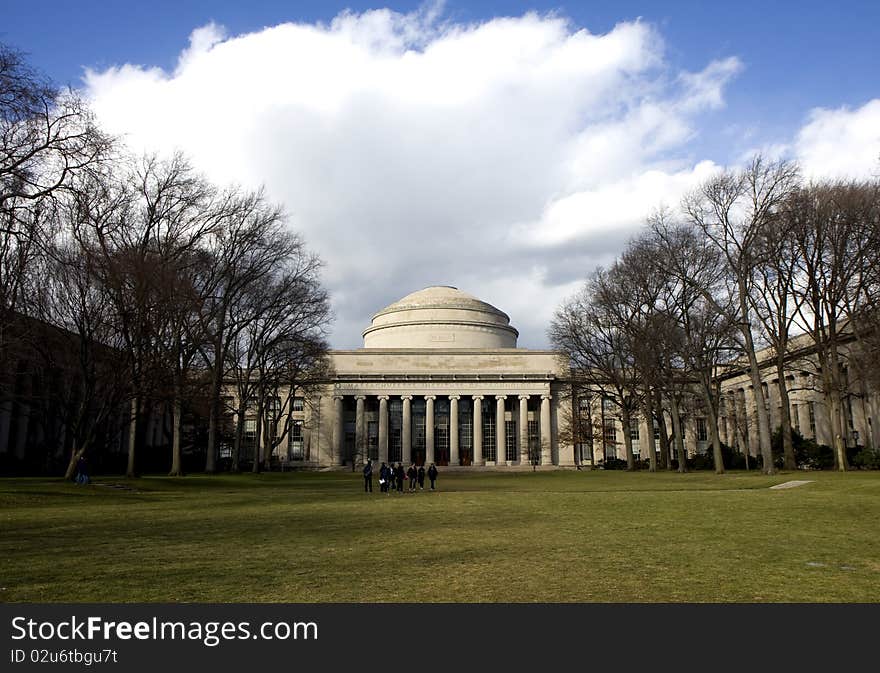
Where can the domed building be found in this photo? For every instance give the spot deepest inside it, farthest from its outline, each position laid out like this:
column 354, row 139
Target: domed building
column 439, row 380
column 440, row 317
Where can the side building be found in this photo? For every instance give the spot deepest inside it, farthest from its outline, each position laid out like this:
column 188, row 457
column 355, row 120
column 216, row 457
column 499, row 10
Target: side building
column 598, row 431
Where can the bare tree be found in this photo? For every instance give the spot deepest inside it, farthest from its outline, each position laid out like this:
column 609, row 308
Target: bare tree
column 281, row 347
column 697, row 302
column 731, row 210
column 775, row 305
column 46, row 138
column 169, row 211
column 588, row 328
column 248, row 245
column 836, row 239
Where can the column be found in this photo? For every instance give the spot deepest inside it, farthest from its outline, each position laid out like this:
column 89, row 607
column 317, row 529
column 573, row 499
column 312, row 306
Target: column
column 360, row 436
column 429, row 428
column 500, row 439
column 383, row 428
column 478, row 430
column 545, row 430
column 523, row 429
column 337, row 430
column 406, row 430
column 453, row 430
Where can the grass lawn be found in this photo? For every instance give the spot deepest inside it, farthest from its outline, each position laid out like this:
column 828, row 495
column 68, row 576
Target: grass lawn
column 487, row 537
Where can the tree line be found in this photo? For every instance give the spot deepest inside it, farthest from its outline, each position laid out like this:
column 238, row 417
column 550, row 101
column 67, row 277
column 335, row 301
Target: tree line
column 751, row 258
column 135, row 283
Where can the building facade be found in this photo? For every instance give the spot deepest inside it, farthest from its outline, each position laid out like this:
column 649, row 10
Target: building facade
column 439, row 380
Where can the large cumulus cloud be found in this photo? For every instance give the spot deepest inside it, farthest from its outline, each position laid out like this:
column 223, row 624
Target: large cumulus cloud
column 506, row 157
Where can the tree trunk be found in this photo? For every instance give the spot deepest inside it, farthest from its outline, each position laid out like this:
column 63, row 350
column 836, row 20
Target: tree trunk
column 717, row 456
column 665, row 463
column 236, row 444
column 649, row 421
column 177, row 420
column 214, row 418
column 833, row 395
column 788, row 458
column 626, row 421
column 132, row 437
column 679, row 437
column 258, row 435
column 755, row 376
column 75, row 455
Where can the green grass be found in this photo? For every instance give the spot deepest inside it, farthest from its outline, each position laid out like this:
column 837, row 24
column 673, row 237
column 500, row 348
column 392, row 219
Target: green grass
column 557, row 536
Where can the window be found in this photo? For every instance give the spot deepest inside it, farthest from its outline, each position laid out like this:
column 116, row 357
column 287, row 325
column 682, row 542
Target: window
column 418, row 431
column 510, row 439
column 296, row 441
column 465, row 434
column 250, row 429
column 373, row 440
column 585, row 431
column 634, row 430
column 702, row 434
column 489, row 448
column 534, row 443
column 395, row 435
column 441, row 432
column 610, row 439
column 812, row 410
column 765, row 389
column 795, row 418
column 299, row 403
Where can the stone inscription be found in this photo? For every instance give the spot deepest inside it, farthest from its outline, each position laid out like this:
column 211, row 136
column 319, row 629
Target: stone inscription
column 429, row 385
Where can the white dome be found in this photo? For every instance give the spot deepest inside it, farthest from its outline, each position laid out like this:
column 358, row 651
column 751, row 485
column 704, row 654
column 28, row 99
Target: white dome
column 440, row 317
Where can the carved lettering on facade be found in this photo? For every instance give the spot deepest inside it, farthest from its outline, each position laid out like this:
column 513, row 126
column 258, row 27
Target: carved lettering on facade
column 451, row 386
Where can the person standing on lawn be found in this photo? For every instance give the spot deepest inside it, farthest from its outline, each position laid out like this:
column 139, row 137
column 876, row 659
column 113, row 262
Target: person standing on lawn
column 368, row 477
column 432, row 474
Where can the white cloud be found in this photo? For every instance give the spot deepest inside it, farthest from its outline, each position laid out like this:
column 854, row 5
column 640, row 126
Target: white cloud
column 505, row 157
column 841, row 143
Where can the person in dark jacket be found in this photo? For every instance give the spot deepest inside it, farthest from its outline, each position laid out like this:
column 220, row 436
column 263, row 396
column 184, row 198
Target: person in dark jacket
column 82, row 471
column 421, row 474
column 368, row 477
column 432, row 474
column 383, row 478
column 398, row 477
column 411, row 475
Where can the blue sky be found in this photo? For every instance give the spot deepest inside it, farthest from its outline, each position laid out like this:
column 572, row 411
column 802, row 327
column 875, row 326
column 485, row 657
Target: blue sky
column 796, row 55
column 529, row 167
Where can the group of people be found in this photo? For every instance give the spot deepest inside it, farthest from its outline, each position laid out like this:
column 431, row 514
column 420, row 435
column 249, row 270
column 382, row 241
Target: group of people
column 391, row 477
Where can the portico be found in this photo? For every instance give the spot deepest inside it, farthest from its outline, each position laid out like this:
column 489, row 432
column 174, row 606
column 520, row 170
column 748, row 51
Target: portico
column 508, row 432
column 440, row 380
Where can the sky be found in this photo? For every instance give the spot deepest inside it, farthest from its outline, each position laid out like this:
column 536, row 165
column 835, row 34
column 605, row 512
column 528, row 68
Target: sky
column 505, row 148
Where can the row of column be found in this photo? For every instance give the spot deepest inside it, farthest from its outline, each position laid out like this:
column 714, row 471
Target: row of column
column 406, row 429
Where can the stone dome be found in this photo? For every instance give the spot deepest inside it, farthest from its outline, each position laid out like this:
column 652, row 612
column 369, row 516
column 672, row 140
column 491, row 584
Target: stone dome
column 440, row 317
